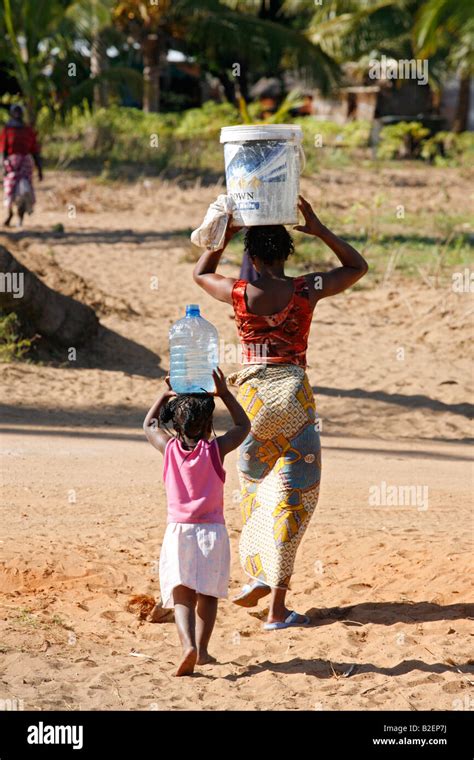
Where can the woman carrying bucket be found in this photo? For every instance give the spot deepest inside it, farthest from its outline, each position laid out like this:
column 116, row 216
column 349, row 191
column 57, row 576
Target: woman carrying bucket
column 280, row 460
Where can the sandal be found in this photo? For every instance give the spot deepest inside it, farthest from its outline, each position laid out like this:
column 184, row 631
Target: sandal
column 251, row 594
column 291, row 621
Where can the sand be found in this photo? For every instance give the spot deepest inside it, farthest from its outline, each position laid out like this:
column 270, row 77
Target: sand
column 388, row 588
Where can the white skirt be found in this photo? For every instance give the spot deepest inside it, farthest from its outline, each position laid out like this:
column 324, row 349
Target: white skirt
column 196, row 555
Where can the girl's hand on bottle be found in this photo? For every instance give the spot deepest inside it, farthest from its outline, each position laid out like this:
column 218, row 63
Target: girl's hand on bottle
column 220, row 382
column 312, row 226
column 170, row 391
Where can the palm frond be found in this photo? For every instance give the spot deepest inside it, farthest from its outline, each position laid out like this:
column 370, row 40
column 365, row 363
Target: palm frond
column 90, row 16
column 293, row 100
column 448, row 26
column 228, row 32
column 349, row 30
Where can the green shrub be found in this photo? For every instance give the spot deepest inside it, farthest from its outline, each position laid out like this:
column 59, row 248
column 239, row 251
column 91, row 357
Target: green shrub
column 115, row 134
column 354, row 134
column 446, row 147
column 12, row 344
column 189, row 141
column 206, row 122
column 330, row 143
column 402, row 140
column 412, row 139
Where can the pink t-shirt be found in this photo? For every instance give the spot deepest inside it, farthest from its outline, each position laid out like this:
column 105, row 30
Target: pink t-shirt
column 194, row 482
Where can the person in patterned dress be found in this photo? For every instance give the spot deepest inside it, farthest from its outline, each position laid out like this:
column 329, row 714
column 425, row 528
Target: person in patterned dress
column 20, row 148
column 280, row 460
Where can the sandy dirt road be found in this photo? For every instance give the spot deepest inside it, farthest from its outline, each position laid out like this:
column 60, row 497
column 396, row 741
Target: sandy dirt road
column 387, row 587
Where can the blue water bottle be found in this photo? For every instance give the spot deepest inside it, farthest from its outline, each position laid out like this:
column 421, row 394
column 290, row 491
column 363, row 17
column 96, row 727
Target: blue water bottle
column 194, row 353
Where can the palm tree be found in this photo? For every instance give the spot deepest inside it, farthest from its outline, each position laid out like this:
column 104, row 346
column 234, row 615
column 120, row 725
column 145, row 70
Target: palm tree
column 262, row 37
column 441, row 30
column 218, row 35
column 448, row 26
column 29, row 29
column 149, row 25
column 90, row 20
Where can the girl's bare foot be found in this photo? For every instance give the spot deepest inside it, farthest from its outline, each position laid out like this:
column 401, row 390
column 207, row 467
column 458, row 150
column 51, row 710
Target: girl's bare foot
column 204, row 658
column 186, row 666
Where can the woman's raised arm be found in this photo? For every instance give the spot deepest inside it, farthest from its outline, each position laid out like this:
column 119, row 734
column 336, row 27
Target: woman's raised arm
column 354, row 266
column 204, row 273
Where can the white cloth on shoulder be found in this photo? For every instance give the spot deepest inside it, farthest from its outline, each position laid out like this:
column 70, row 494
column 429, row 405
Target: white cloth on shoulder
column 211, row 232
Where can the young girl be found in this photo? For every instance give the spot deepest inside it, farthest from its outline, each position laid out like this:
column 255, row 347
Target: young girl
column 195, row 555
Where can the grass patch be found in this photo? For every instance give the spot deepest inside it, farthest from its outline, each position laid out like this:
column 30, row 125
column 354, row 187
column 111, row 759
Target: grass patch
column 26, row 617
column 413, row 255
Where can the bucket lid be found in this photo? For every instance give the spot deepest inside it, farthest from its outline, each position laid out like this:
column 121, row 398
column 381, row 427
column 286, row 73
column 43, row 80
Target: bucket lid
column 244, row 132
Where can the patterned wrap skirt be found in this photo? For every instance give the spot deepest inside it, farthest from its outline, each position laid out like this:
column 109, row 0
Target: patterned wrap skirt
column 279, row 468
column 18, row 181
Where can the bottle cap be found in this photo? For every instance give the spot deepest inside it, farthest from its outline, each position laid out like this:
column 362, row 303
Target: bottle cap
column 192, row 310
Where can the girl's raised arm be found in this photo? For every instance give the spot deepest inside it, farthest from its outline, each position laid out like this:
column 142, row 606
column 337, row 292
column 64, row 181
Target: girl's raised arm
column 241, row 428
column 158, row 437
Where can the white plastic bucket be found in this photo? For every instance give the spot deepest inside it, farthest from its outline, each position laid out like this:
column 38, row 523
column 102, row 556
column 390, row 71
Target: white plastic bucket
column 262, row 168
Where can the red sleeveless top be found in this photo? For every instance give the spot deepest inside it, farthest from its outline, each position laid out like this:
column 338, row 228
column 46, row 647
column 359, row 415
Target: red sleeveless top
column 279, row 338
column 20, row 140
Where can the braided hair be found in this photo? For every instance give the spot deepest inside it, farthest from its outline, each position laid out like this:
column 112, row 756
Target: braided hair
column 269, row 243
column 190, row 415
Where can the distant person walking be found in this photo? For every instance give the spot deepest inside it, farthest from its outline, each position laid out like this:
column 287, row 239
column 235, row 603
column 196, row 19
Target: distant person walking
column 20, row 147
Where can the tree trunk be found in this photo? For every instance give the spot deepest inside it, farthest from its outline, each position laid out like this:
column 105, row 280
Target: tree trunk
column 462, row 110
column 243, row 81
column 152, row 62
column 228, row 85
column 99, row 65
column 53, row 315
column 31, row 105
column 31, row 111
column 269, row 9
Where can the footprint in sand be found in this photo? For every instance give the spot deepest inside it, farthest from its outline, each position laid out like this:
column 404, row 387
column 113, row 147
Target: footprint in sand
column 359, row 586
column 109, row 615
